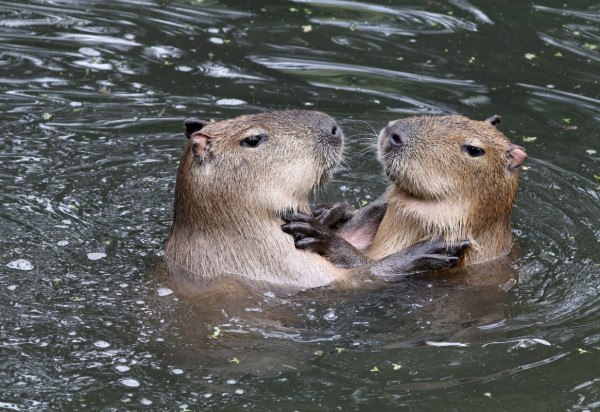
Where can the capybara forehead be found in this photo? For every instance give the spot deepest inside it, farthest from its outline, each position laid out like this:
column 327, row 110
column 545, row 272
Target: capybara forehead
column 285, row 122
column 436, row 130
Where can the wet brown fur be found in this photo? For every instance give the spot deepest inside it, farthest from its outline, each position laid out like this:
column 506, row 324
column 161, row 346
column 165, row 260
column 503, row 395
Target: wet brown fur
column 438, row 190
column 227, row 203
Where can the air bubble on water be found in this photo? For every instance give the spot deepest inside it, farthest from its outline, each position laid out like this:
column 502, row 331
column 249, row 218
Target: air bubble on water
column 122, row 368
column 208, row 395
column 164, row 291
column 130, row 383
column 330, row 315
column 213, row 30
column 20, row 264
column 62, row 243
column 231, row 382
column 239, row 391
column 145, row 401
column 184, row 69
column 75, row 104
column 177, row 371
column 101, row 344
column 96, row 255
column 216, row 40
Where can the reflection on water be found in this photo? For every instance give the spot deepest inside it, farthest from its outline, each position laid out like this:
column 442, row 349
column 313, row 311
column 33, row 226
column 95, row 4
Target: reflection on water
column 93, row 97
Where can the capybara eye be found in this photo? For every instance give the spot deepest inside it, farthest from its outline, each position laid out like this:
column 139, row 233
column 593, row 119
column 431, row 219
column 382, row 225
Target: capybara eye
column 253, row 141
column 473, row 151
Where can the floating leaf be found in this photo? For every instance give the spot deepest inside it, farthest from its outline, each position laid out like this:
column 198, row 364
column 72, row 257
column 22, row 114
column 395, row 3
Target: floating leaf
column 340, row 350
column 590, row 46
column 566, row 120
column 530, row 56
column 597, row 177
column 216, row 333
column 396, row 366
column 46, row 116
column 307, row 28
column 487, row 395
column 558, row 54
column 78, row 299
column 582, row 351
column 352, row 27
column 318, row 353
column 234, row 360
column 374, row 369
column 293, row 9
column 529, row 139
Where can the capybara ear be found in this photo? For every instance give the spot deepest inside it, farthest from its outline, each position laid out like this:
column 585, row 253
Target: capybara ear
column 515, row 156
column 199, row 143
column 192, row 125
column 494, row 120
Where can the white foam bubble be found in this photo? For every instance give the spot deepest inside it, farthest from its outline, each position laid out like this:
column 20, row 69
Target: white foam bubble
column 96, row 255
column 230, row 102
column 130, row 383
column 20, row 264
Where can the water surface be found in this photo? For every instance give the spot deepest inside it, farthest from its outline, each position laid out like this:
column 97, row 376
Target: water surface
column 93, row 97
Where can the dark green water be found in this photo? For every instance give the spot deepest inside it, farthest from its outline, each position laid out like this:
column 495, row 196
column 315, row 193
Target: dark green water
column 93, row 95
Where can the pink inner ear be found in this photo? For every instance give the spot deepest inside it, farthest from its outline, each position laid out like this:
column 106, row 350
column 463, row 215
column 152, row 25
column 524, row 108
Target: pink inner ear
column 516, row 156
column 199, row 143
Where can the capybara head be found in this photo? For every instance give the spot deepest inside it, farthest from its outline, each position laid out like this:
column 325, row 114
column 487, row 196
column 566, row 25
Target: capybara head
column 265, row 162
column 456, row 177
column 450, row 157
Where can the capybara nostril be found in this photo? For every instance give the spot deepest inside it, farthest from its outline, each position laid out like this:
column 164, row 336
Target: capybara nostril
column 335, row 132
column 396, row 140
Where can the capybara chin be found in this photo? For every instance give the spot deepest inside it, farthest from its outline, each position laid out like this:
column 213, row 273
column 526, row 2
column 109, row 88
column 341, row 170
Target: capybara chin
column 451, row 178
column 236, row 179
